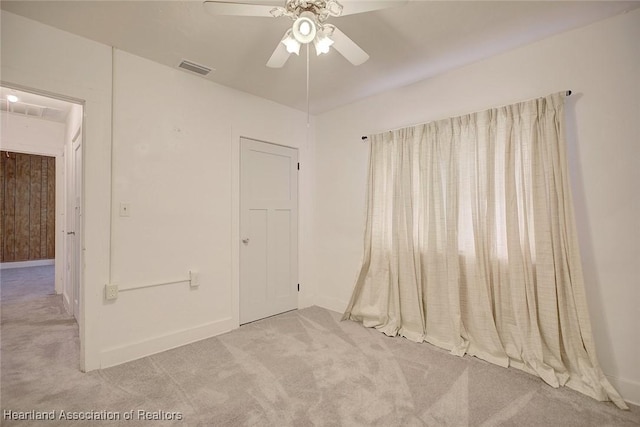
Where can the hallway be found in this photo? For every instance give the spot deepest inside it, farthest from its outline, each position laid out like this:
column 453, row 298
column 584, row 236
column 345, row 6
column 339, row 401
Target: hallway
column 20, row 284
column 37, row 335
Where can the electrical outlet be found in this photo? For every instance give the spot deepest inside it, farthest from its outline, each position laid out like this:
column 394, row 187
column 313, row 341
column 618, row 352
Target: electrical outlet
column 111, row 292
column 194, row 279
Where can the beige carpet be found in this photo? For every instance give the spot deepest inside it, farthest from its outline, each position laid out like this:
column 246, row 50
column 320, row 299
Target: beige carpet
column 301, row 368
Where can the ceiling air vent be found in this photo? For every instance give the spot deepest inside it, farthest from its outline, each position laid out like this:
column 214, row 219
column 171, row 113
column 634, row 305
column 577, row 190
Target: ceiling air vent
column 194, row 68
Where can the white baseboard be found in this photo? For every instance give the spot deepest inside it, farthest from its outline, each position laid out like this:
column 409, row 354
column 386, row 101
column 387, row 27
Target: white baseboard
column 630, row 390
column 67, row 304
column 307, row 301
column 23, row 264
column 129, row 352
column 332, row 304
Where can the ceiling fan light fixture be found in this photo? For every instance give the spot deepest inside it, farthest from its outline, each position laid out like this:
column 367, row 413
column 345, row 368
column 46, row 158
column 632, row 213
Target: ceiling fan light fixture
column 305, row 28
column 292, row 45
column 322, row 43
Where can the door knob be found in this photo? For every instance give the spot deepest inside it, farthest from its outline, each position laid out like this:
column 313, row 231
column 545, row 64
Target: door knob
column 71, row 232
column 245, row 241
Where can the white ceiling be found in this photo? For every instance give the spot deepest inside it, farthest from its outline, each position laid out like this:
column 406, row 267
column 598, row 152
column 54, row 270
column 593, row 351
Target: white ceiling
column 406, row 44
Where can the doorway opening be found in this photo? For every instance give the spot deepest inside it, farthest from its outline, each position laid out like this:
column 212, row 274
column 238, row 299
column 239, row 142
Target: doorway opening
column 41, row 187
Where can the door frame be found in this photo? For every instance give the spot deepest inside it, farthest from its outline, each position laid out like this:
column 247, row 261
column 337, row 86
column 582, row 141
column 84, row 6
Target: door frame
column 61, row 259
column 235, row 218
column 275, row 304
column 77, row 211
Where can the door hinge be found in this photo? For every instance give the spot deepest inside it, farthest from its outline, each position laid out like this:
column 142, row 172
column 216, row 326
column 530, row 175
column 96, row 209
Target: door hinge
column 298, row 165
column 298, row 287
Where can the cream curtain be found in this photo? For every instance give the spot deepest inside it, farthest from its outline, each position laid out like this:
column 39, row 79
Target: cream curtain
column 470, row 244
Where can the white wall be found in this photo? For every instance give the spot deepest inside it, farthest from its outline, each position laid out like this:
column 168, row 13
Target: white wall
column 31, row 135
column 175, row 160
column 40, row 57
column 601, row 64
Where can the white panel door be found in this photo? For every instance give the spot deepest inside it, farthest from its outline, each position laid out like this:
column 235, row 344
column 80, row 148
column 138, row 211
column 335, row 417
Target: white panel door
column 73, row 255
column 67, row 288
column 268, row 230
column 77, row 226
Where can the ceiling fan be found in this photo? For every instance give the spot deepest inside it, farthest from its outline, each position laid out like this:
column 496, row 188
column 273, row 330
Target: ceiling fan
column 309, row 24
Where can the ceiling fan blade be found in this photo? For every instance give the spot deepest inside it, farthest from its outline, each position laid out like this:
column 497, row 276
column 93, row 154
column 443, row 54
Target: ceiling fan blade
column 262, row 9
column 279, row 56
column 351, row 7
column 348, row 48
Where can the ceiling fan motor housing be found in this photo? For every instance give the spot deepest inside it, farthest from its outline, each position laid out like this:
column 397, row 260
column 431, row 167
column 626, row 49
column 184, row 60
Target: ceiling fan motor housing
column 305, row 27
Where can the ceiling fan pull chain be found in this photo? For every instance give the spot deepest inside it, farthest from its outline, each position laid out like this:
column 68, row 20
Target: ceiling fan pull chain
column 308, row 84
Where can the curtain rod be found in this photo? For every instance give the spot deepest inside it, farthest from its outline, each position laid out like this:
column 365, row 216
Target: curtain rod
column 566, row 93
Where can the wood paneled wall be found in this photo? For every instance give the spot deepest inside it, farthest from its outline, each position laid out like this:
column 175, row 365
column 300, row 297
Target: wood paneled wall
column 28, row 207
